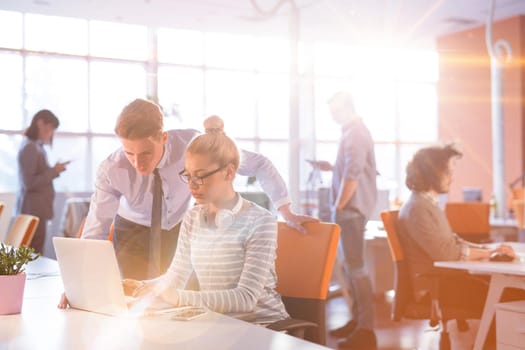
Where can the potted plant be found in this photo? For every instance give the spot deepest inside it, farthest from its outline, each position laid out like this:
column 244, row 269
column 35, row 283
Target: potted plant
column 12, row 277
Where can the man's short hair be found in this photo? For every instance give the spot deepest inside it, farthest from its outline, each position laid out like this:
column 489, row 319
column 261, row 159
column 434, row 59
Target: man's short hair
column 428, row 165
column 344, row 99
column 139, row 120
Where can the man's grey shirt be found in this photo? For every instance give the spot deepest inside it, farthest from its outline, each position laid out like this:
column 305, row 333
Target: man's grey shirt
column 356, row 161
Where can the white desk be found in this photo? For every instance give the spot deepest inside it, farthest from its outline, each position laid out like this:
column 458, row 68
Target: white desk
column 503, row 274
column 41, row 325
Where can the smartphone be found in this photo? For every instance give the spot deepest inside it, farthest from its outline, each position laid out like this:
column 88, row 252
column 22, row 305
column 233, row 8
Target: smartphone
column 187, row 313
column 65, row 162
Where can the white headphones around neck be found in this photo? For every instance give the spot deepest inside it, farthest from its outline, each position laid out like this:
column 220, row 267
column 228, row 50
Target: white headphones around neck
column 224, row 218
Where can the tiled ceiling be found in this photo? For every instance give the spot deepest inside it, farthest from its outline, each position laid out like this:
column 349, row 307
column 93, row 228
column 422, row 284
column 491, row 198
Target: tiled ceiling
column 413, row 23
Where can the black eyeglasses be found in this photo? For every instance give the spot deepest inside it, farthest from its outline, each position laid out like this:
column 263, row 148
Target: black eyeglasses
column 198, row 180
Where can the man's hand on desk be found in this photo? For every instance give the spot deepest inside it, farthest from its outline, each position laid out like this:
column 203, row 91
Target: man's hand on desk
column 294, row 220
column 63, row 303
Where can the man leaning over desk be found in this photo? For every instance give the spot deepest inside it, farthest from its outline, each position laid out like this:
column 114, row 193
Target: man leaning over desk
column 149, row 162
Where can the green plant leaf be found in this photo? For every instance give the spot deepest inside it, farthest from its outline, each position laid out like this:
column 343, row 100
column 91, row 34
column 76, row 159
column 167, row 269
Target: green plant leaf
column 13, row 260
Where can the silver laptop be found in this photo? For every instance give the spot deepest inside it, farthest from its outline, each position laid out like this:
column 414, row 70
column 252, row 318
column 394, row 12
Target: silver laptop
column 90, row 275
column 92, row 281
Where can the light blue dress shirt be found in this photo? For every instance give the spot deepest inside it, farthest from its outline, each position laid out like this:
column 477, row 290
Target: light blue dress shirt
column 120, row 189
column 356, row 161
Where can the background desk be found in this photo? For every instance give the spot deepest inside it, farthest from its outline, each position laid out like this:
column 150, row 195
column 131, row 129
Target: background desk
column 510, row 274
column 504, row 230
column 378, row 259
column 41, row 325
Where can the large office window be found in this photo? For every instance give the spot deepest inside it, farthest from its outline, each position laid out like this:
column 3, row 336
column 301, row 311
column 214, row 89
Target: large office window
column 180, row 46
column 272, row 106
column 11, row 83
column 230, row 51
column 231, row 95
column 242, row 79
column 394, row 92
column 60, row 85
column 113, row 85
column 56, row 34
column 181, row 94
column 86, row 71
column 8, row 150
column 11, row 31
column 116, row 40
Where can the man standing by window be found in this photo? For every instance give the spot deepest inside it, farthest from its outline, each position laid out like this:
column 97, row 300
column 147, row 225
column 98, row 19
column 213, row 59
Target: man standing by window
column 353, row 198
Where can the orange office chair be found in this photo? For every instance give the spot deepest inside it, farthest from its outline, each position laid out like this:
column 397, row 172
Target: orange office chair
column 405, row 305
column 304, row 266
column 22, row 230
column 2, row 206
column 470, row 220
column 518, row 206
column 111, row 229
column 517, row 193
column 81, row 227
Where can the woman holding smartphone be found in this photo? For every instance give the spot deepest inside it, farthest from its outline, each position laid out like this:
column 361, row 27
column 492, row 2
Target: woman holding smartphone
column 229, row 243
column 36, row 193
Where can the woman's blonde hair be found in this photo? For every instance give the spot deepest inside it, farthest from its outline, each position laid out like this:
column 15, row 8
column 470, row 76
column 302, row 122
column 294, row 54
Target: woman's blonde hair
column 215, row 143
column 139, row 120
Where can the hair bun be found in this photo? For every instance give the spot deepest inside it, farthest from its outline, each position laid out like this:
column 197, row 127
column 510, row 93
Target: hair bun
column 213, row 125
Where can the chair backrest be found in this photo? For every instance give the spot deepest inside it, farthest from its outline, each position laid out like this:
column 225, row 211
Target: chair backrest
column 305, row 261
column 81, row 227
column 111, row 231
column 83, row 223
column 2, row 206
column 389, row 218
column 468, row 217
column 304, row 267
column 75, row 210
column 402, row 283
column 22, row 230
column 517, row 193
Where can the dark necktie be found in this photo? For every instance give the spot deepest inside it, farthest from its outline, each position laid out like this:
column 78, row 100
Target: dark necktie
column 156, row 220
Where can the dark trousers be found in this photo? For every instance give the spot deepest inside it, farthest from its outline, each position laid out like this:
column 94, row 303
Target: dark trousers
column 131, row 243
column 39, row 238
column 352, row 245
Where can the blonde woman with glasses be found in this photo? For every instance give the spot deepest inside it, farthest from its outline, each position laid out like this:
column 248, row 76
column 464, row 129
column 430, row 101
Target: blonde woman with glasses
column 228, row 242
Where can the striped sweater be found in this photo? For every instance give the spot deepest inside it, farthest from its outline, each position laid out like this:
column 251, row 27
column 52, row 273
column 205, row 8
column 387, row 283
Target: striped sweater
column 235, row 266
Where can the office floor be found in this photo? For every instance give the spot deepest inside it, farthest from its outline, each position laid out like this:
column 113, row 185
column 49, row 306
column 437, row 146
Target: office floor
column 405, row 335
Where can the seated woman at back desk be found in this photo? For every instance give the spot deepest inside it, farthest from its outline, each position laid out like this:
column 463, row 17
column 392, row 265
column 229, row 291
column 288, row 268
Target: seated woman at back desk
column 227, row 241
column 426, row 236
